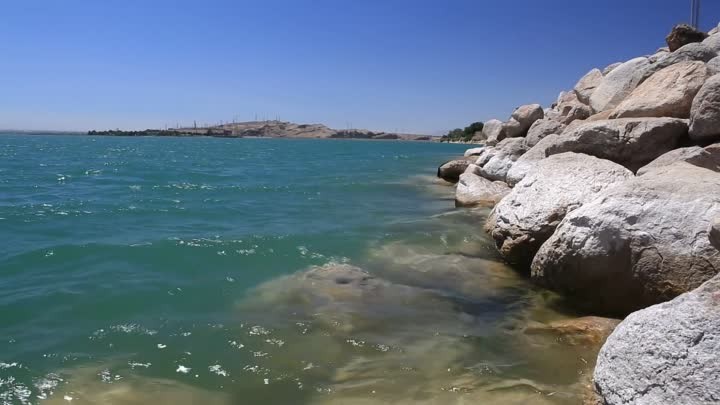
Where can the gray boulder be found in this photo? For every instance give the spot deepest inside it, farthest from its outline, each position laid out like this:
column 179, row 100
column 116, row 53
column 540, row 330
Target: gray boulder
column 713, row 42
column 526, row 115
column 610, row 68
column 667, row 93
column 665, row 354
column 473, row 190
column 528, row 216
column 715, row 233
column 501, row 158
column 618, row 84
column 708, row 158
column 688, row 53
column 631, row 142
column 639, row 243
column 683, row 34
column 587, row 85
column 492, row 131
column 713, row 66
column 570, row 109
column 512, row 129
column 542, row 128
column 705, row 112
column 529, row 160
column 451, row 171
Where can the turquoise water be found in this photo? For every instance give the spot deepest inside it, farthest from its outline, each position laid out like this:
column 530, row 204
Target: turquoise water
column 244, row 271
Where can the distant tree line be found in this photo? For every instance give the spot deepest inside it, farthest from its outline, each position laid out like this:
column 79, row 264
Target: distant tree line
column 464, row 134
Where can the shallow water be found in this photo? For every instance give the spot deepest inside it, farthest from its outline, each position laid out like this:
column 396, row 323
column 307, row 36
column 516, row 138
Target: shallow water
column 243, row 271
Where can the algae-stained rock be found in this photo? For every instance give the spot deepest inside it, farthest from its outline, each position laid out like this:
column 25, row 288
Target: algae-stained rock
column 527, row 217
column 665, row 354
column 473, row 190
column 683, row 34
column 708, row 158
column 542, row 128
column 451, row 171
column 492, row 131
column 640, row 243
column 501, row 158
column 584, row 331
column 618, row 84
column 587, row 85
column 667, row 93
column 631, row 142
column 526, row 115
column 705, row 112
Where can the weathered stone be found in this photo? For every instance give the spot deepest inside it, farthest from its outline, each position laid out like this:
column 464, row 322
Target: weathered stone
column 610, row 68
column 526, row 115
column 714, row 31
column 572, row 111
column 714, row 232
column 492, row 131
column 631, row 142
column 451, row 171
column 665, row 354
column 705, row 112
column 474, row 151
column 713, row 66
column 713, row 42
column 689, row 53
column 618, row 84
column 526, row 218
column 683, row 34
column 474, row 190
column 587, row 85
column 528, row 161
column 667, row 93
column 512, row 129
column 504, row 155
column 600, row 116
column 639, row 243
column 708, row 158
column 542, row 128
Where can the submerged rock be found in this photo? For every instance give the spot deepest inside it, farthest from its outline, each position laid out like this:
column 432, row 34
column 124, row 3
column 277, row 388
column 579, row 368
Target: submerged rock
column 631, row 142
column 585, row 331
column 618, row 84
column 475, row 190
column 665, row 354
column 667, row 93
column 637, row 244
column 451, row 171
column 705, row 113
column 683, row 34
column 708, row 158
column 528, row 216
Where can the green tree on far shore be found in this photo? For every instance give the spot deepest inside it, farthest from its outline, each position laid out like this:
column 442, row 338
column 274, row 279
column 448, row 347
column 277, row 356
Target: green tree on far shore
column 463, row 135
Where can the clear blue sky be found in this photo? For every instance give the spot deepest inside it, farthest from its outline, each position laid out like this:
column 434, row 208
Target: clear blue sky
column 413, row 65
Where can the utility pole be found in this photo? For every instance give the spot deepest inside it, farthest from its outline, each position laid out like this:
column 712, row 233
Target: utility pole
column 695, row 13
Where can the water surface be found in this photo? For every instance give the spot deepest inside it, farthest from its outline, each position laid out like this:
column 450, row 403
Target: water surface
column 245, row 271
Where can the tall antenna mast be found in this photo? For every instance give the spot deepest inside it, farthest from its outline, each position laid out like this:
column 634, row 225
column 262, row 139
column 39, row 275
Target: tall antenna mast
column 695, row 13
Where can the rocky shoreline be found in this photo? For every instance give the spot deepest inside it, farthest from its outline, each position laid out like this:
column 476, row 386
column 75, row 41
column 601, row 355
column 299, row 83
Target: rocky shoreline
column 611, row 197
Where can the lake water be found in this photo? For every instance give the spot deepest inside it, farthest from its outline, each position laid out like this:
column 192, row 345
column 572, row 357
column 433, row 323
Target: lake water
column 259, row 271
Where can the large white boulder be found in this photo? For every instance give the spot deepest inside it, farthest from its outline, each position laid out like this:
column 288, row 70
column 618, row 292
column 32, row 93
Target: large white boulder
column 501, row 158
column 705, row 112
column 542, row 128
column 527, row 217
column 637, row 244
column 492, row 131
column 667, row 93
column 665, row 354
column 473, row 190
column 618, row 84
column 526, row 115
column 587, row 85
column 708, row 158
column 529, row 160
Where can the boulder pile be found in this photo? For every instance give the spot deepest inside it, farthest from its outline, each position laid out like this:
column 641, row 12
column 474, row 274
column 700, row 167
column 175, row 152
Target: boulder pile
column 611, row 197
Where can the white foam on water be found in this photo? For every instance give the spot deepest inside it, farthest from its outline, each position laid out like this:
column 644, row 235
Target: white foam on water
column 183, row 370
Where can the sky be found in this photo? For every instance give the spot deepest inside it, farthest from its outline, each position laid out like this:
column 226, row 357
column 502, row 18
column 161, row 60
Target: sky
column 394, row 65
